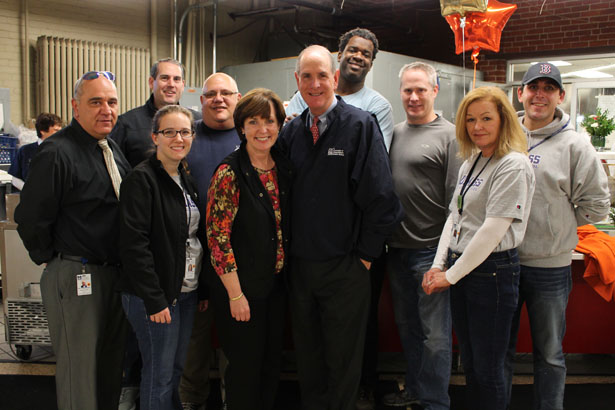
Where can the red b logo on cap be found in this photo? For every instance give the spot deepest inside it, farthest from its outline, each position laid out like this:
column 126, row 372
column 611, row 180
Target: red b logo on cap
column 545, row 69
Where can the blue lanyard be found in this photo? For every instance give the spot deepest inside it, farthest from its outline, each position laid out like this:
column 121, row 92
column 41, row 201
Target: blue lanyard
column 545, row 139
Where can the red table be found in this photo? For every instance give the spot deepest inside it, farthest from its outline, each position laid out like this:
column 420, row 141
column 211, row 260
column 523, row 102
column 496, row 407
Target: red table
column 590, row 320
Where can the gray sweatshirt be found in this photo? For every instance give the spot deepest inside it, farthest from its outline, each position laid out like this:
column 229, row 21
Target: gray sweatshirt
column 571, row 190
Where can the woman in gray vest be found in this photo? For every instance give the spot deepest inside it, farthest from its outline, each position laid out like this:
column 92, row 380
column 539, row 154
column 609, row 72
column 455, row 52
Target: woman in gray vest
column 161, row 257
column 488, row 216
column 247, row 234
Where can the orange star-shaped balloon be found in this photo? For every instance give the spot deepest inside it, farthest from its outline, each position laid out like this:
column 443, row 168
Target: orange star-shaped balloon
column 482, row 29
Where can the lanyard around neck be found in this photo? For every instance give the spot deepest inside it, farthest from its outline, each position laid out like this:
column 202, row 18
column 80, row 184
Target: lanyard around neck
column 466, row 186
column 552, row 135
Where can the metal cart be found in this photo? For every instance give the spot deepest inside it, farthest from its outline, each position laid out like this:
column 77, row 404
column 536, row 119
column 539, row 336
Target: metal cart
column 24, row 314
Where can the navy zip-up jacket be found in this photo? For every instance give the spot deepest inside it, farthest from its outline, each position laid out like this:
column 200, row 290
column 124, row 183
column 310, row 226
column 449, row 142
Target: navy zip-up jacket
column 343, row 199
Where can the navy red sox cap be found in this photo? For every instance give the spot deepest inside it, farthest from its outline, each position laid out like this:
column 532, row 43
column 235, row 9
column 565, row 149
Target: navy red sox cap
column 542, row 70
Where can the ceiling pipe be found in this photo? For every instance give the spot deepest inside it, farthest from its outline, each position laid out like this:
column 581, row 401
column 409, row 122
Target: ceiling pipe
column 174, row 23
column 252, row 13
column 338, row 12
column 180, row 29
column 153, row 33
column 25, row 60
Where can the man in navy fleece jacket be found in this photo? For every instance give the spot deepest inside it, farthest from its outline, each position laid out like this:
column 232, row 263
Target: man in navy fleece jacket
column 343, row 208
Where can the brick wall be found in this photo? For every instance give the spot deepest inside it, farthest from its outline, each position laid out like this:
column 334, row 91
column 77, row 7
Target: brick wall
column 565, row 27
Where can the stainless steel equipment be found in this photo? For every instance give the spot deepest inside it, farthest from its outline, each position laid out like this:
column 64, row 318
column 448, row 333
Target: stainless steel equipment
column 24, row 314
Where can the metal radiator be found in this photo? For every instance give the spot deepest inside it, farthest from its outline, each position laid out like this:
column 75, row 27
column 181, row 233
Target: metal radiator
column 61, row 61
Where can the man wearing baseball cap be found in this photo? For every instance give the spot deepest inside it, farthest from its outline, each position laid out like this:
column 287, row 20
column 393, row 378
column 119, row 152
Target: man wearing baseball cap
column 571, row 190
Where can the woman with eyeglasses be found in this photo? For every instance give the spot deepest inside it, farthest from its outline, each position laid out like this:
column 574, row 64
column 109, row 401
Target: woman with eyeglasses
column 161, row 257
column 247, row 234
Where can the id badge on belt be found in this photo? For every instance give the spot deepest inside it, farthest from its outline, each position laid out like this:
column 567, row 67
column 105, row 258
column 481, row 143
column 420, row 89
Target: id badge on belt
column 84, row 283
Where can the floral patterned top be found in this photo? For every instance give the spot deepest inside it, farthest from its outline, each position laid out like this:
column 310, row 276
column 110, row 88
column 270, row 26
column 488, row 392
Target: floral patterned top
column 222, row 206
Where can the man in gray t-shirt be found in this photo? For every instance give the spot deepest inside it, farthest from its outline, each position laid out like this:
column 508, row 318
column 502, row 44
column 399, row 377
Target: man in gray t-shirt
column 425, row 166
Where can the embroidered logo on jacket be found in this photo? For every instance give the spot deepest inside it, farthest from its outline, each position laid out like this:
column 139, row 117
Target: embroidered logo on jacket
column 335, row 152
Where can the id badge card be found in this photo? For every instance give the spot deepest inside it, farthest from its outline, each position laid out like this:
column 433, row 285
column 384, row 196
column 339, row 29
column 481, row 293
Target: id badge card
column 456, row 230
column 190, row 268
column 84, row 284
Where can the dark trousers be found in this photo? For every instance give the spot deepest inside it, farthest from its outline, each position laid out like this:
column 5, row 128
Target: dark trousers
column 87, row 333
column 194, row 385
column 329, row 304
column 483, row 304
column 369, row 371
column 253, row 348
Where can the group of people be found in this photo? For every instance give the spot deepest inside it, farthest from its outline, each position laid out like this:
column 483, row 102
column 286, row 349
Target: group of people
column 174, row 219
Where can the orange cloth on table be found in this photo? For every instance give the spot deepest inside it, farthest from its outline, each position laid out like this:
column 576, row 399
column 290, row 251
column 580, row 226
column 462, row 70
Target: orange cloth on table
column 599, row 251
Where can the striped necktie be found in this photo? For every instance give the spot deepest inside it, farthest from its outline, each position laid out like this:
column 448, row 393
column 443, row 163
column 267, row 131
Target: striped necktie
column 116, row 178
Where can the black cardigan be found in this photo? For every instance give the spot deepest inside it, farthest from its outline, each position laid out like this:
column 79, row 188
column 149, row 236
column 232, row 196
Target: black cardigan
column 153, row 234
column 254, row 233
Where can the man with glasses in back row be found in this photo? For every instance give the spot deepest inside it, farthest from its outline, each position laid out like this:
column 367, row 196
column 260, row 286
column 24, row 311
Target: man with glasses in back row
column 215, row 138
column 67, row 219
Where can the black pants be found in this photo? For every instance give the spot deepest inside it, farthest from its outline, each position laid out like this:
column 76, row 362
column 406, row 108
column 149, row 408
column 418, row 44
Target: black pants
column 194, row 385
column 253, row 348
column 329, row 304
column 369, row 372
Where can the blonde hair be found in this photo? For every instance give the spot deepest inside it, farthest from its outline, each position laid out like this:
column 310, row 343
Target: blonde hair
column 511, row 137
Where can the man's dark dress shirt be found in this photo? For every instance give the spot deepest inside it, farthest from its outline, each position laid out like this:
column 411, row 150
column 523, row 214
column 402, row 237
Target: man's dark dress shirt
column 68, row 204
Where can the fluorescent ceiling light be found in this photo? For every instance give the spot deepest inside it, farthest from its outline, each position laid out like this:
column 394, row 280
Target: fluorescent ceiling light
column 587, row 74
column 560, row 63
column 556, row 63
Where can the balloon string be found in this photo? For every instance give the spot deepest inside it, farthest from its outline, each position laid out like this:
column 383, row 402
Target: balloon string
column 463, row 43
column 475, row 54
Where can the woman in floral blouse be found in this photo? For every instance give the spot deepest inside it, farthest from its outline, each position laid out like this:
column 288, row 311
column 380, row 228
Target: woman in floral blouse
column 247, row 234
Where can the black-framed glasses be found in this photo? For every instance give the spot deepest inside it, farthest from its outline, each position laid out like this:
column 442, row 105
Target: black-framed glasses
column 172, row 132
column 92, row 75
column 224, row 94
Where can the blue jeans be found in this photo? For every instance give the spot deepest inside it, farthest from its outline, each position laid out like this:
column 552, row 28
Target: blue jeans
column 163, row 349
column 424, row 325
column 483, row 304
column 545, row 292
